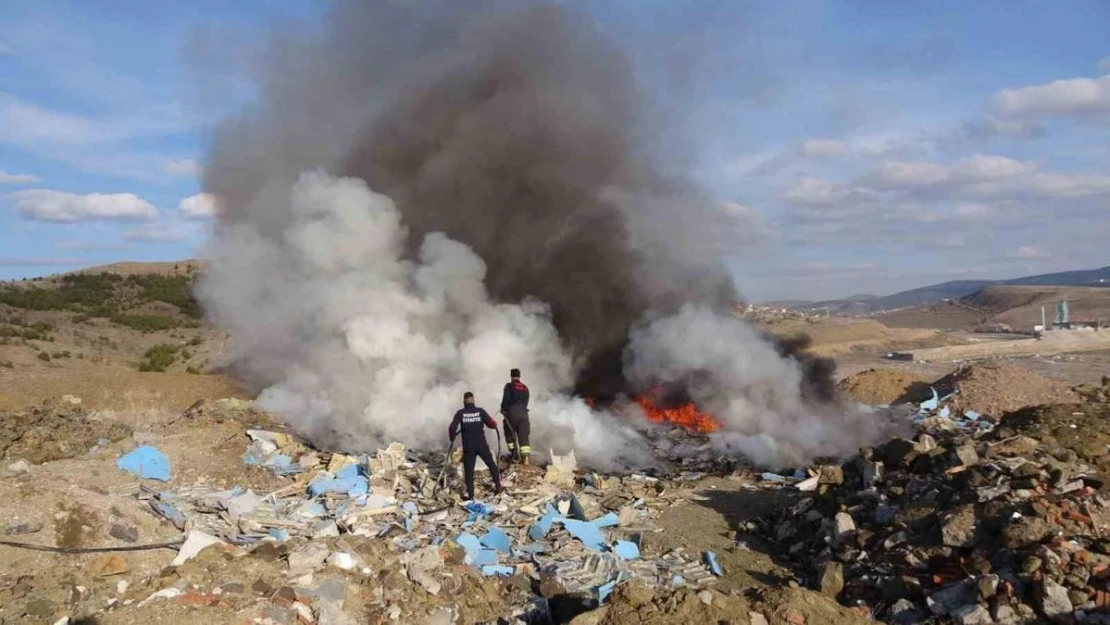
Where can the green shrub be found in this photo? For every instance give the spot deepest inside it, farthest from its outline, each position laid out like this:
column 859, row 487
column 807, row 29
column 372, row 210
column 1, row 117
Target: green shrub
column 196, row 341
column 144, row 323
column 7, row 364
column 159, row 357
column 193, row 370
column 57, row 355
column 43, row 356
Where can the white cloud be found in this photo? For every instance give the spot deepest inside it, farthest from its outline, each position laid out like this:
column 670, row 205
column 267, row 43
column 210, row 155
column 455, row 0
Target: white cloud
column 824, row 148
column 59, row 206
column 199, row 206
column 1026, row 252
column 6, row 178
column 1072, row 97
column 815, row 191
column 182, row 167
column 901, row 175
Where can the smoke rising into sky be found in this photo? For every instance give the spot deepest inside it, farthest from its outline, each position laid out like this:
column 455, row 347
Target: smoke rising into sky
column 427, row 194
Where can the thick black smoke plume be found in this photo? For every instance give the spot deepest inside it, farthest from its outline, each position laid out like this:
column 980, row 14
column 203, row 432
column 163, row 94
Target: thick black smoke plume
column 515, row 128
column 499, row 192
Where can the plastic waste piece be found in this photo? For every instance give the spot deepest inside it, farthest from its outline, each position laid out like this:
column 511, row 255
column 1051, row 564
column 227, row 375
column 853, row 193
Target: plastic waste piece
column 484, row 557
column 605, row 590
column 147, row 462
column 351, row 470
column 609, row 520
column 469, row 542
column 170, row 512
column 944, row 412
column 490, row 570
column 194, row 543
column 971, row 415
column 410, row 508
column 281, row 465
column 626, row 550
column 588, row 533
column 279, row 535
column 352, row 486
column 543, row 526
column 714, row 566
column 931, row 404
column 772, row 477
column 497, row 540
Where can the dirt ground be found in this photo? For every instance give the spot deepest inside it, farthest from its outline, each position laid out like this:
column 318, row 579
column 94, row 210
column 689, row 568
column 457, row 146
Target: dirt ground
column 883, row 386
column 838, row 336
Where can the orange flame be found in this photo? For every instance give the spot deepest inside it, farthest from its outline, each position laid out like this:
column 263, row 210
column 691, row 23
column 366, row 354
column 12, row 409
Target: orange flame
column 686, row 416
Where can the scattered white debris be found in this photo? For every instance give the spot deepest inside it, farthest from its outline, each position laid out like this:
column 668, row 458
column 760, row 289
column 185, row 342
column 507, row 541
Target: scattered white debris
column 194, row 543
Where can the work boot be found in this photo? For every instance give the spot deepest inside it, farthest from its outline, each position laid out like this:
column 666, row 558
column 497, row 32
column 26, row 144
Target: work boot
column 524, row 459
column 498, row 489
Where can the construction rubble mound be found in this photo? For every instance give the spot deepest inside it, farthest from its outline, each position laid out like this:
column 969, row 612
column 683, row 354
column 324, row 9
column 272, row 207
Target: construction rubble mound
column 384, row 536
column 978, row 519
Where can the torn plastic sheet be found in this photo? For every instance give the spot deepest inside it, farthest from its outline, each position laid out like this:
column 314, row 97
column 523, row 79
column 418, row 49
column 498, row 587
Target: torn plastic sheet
column 971, row 415
column 609, row 520
column 490, row 570
column 931, row 404
column 714, row 566
column 605, row 590
column 588, row 533
column 352, row 486
column 282, row 465
column 497, row 540
column 146, row 462
column 626, row 550
column 170, row 513
column 543, row 526
column 484, row 557
column 469, row 542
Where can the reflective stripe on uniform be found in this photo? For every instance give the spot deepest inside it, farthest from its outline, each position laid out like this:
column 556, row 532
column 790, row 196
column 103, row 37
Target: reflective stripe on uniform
column 525, row 448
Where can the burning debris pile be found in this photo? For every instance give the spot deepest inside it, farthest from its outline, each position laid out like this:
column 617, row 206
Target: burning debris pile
column 564, row 534
column 971, row 521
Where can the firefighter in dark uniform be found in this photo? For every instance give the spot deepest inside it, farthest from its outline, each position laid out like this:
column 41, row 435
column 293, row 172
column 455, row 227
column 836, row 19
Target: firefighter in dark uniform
column 471, row 421
column 514, row 407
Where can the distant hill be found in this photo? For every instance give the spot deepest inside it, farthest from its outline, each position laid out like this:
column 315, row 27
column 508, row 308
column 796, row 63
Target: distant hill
column 956, row 289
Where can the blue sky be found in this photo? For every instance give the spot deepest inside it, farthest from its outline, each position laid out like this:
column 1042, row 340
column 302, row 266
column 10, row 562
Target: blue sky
column 871, row 146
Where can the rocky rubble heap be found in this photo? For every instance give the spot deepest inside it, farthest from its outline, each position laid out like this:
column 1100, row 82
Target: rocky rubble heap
column 56, row 430
column 965, row 525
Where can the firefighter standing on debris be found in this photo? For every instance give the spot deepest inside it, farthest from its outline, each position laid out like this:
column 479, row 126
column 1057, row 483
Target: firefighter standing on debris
column 471, row 421
column 514, row 407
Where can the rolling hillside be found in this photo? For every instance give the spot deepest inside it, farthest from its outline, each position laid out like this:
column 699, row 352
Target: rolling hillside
column 958, row 289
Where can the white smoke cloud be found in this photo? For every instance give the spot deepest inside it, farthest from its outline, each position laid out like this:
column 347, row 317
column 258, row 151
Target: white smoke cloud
column 361, row 347
column 735, row 375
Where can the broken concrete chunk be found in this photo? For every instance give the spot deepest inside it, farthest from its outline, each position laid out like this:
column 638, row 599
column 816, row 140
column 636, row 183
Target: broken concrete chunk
column 958, row 528
column 843, row 526
column 1053, row 599
column 831, row 578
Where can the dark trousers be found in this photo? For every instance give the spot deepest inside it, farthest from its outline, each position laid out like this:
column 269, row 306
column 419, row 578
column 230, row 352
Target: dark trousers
column 516, row 422
column 469, row 457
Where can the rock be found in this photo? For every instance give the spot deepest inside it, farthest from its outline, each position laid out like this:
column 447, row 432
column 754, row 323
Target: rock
column 843, row 526
column 755, row 618
column 831, row 578
column 19, row 529
column 341, row 560
column 897, row 452
column 831, row 475
column 19, row 467
column 1024, row 532
column 872, row 473
column 958, row 527
column 310, row 557
column 1005, row 615
column 109, row 565
column 261, row 587
column 638, row 594
column 234, row 588
column 947, row 600
column 973, row 615
column 1053, row 600
column 126, row 533
column 706, row 597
